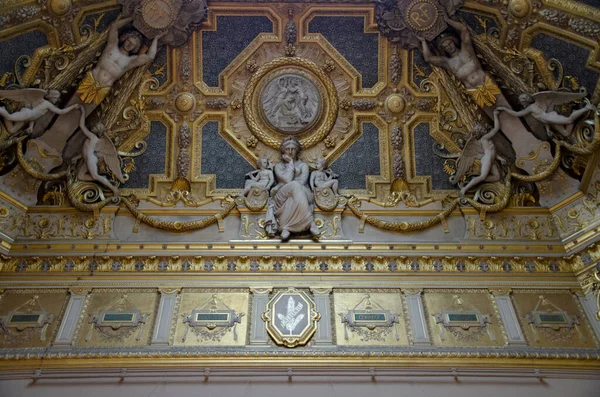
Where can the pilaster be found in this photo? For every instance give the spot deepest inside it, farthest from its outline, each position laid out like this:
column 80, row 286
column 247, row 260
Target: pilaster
column 416, row 313
column 66, row 331
column 509, row 317
column 258, row 330
column 164, row 317
column 322, row 297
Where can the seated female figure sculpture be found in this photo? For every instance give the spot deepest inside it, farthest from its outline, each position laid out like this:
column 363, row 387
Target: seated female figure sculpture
column 290, row 208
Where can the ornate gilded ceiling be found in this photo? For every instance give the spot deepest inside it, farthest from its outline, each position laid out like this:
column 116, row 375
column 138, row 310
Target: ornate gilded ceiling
column 350, row 82
column 403, row 177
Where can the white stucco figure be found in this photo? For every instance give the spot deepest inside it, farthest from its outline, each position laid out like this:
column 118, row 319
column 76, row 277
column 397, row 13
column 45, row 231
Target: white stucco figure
column 461, row 60
column 290, row 207
column 262, row 178
column 119, row 56
column 323, row 178
column 37, row 103
column 541, row 107
column 99, row 146
column 479, row 146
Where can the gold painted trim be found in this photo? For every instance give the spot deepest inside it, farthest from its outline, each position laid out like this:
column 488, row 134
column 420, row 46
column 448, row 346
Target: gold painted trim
column 266, row 360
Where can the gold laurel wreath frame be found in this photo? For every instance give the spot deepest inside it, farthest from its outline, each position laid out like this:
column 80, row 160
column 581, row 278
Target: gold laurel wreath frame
column 269, row 136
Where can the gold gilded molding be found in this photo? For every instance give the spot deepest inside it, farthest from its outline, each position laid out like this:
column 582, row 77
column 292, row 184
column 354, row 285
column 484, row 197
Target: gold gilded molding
column 169, row 290
column 80, row 291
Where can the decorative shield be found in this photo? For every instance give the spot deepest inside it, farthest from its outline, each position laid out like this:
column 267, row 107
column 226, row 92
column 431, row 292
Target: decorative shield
column 401, row 21
column 176, row 18
column 291, row 318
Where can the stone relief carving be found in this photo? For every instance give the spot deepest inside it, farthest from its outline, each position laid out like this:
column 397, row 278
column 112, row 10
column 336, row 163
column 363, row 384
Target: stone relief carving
column 290, row 103
column 322, row 178
column 290, row 99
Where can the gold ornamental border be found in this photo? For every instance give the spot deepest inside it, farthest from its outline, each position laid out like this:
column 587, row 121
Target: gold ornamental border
column 303, row 336
column 330, row 103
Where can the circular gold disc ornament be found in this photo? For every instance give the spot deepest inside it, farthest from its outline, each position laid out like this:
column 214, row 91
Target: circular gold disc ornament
column 158, row 14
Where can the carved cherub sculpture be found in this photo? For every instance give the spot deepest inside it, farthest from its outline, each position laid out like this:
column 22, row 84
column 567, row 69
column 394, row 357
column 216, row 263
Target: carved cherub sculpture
column 479, row 146
column 541, row 107
column 37, row 103
column 322, row 177
column 96, row 146
column 261, row 178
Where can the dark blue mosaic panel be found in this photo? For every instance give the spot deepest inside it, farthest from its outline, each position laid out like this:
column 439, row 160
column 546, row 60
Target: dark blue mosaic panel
column 153, row 159
column 160, row 65
column 359, row 160
column 471, row 20
column 104, row 22
column 421, row 69
column 572, row 57
column 428, row 164
column 233, row 34
column 593, row 3
column 219, row 158
column 347, row 35
column 13, row 48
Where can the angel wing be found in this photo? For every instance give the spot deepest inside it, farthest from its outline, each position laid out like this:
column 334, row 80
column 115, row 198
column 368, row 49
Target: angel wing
column 274, row 96
column 27, row 96
column 548, row 99
column 464, row 163
column 106, row 149
column 504, row 147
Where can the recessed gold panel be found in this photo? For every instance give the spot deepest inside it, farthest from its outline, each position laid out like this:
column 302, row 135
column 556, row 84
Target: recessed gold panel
column 380, row 300
column 550, row 302
column 52, row 301
column 191, row 299
column 466, row 301
column 144, row 300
